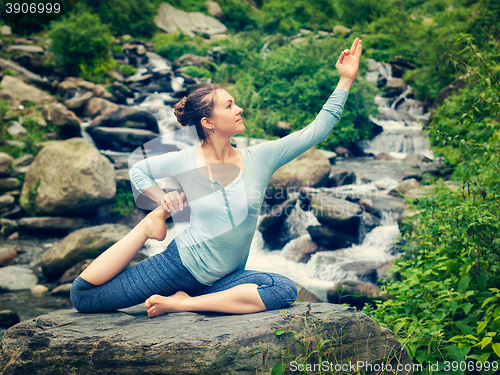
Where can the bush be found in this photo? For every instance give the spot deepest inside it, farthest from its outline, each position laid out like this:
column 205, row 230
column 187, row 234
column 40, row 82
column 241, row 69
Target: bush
column 134, row 17
column 173, row 46
column 81, row 44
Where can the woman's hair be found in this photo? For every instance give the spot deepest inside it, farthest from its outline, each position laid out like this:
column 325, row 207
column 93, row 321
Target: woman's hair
column 198, row 104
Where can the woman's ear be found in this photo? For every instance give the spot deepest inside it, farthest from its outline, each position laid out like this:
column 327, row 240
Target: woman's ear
column 206, row 123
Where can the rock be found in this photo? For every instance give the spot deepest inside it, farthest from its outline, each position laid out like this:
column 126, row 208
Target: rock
column 338, row 214
column 5, row 30
column 8, row 184
column 404, row 186
column 310, row 169
column 51, row 224
column 368, row 223
column 341, row 176
column 115, row 75
column 6, row 203
column 271, row 225
column 120, row 139
column 330, row 238
column 8, row 318
column 13, row 236
column 68, row 125
column 77, row 103
column 170, row 19
column 190, row 59
column 68, row 177
column 330, row 155
column 72, row 273
column 5, row 161
column 28, row 49
column 128, row 342
column 99, row 106
column 123, row 179
column 7, row 255
column 123, row 114
column 300, row 250
column 16, row 129
column 282, row 129
column 39, row 289
column 342, row 151
column 304, row 295
column 80, row 245
column 16, row 278
column 62, row 290
column 341, row 30
column 214, row 9
column 355, row 293
column 19, row 92
column 415, row 160
column 25, row 75
column 101, row 92
column 384, row 156
column 455, row 86
column 394, row 87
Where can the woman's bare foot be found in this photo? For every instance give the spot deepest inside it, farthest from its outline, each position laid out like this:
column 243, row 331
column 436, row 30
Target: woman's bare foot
column 158, row 305
column 154, row 224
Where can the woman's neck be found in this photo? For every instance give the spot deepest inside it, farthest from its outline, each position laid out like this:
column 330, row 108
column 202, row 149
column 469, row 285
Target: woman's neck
column 218, row 150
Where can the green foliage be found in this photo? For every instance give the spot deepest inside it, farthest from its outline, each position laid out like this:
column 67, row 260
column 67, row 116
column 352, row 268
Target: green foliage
column 80, row 44
column 128, row 70
column 123, row 203
column 291, row 83
column 4, row 124
column 10, row 72
column 195, row 71
column 35, row 133
column 446, row 305
column 173, row 46
column 134, row 17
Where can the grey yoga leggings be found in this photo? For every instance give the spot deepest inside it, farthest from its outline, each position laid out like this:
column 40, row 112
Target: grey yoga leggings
column 164, row 274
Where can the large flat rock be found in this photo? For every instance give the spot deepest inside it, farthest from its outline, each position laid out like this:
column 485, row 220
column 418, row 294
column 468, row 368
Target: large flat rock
column 128, row 342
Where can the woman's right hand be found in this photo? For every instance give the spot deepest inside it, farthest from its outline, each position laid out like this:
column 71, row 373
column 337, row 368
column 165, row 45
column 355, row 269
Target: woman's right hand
column 173, row 202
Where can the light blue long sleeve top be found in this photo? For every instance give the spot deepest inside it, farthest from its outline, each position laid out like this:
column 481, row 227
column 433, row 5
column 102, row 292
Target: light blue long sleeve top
column 223, row 219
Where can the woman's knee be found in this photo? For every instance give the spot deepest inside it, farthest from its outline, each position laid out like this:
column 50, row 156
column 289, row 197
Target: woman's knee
column 281, row 293
column 78, row 295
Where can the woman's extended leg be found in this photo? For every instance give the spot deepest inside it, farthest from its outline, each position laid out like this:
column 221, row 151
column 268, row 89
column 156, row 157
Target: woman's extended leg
column 115, row 259
column 162, row 273
column 241, row 292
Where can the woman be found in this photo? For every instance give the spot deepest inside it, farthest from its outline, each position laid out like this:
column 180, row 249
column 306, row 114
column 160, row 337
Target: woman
column 202, row 269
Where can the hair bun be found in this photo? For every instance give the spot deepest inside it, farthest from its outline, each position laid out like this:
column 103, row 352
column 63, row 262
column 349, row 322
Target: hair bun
column 180, row 112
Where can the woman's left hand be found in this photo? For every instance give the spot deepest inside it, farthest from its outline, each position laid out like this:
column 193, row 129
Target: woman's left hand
column 348, row 62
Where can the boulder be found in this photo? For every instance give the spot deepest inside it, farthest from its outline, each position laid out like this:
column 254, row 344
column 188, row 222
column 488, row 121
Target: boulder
column 18, row 92
column 170, row 19
column 214, row 9
column 62, row 290
column 68, row 177
column 309, row 169
column 355, row 293
column 304, row 295
column 15, row 278
column 5, row 162
column 384, row 156
column 394, row 87
column 16, row 129
column 7, row 255
column 338, row 214
column 99, row 106
column 341, row 30
column 72, row 273
column 8, row 184
column 340, row 176
column 272, row 225
column 68, row 125
column 190, row 59
column 80, row 245
column 404, row 187
column 77, row 103
column 6, row 203
column 128, row 342
column 51, row 224
column 330, row 238
column 123, row 115
column 300, row 251
column 415, row 160
column 25, row 75
column 120, row 139
column 8, row 318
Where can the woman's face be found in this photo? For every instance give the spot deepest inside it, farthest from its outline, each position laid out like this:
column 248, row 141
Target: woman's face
column 226, row 116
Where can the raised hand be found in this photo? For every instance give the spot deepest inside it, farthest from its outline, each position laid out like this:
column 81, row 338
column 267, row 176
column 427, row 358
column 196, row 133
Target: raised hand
column 348, row 62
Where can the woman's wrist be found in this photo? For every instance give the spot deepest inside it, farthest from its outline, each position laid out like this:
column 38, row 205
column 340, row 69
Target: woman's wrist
column 345, row 84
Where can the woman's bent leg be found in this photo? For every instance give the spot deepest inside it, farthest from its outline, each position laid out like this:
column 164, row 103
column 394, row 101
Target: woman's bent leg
column 241, row 292
column 161, row 274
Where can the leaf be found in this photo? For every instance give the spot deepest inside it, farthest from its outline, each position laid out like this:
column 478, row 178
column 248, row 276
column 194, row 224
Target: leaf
column 279, row 332
column 496, row 348
column 485, row 342
column 480, row 327
column 464, row 283
column 278, row 369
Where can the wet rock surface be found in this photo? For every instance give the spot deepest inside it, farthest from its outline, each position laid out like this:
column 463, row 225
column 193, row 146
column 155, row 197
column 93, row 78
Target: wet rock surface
column 127, row 341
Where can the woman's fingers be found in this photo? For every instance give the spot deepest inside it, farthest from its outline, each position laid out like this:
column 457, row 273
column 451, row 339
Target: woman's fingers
column 358, row 51
column 354, row 46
